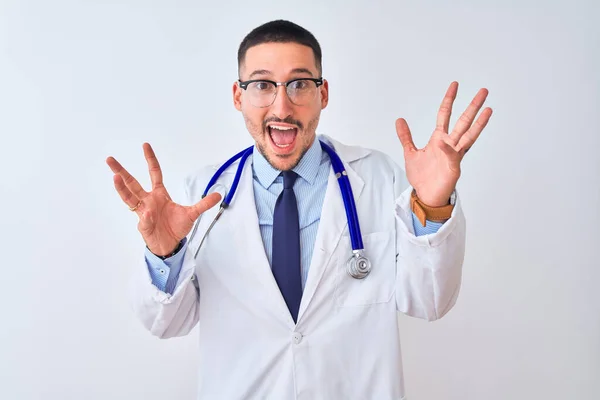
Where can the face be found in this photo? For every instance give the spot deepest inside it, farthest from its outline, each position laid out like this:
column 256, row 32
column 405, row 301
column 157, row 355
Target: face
column 283, row 131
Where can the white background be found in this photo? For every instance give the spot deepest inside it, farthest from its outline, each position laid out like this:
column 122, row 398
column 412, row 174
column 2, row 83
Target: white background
column 82, row 80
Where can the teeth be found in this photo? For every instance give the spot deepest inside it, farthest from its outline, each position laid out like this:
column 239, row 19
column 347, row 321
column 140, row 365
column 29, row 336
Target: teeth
column 281, row 128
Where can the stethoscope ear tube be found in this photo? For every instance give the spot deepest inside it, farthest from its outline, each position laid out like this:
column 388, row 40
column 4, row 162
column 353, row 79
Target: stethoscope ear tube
column 217, row 174
column 244, row 154
column 238, row 174
column 221, row 209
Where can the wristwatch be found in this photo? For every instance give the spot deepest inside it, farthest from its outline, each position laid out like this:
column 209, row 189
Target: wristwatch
column 427, row 213
column 179, row 246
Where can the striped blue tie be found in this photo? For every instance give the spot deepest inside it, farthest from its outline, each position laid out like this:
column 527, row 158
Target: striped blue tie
column 286, row 245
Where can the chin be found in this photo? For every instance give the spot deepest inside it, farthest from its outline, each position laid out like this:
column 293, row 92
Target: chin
column 287, row 157
column 283, row 162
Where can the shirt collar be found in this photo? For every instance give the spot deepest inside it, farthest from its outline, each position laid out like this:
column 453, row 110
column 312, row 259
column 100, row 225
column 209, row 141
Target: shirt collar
column 307, row 168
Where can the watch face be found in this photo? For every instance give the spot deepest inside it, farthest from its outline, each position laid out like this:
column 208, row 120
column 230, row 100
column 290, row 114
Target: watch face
column 453, row 197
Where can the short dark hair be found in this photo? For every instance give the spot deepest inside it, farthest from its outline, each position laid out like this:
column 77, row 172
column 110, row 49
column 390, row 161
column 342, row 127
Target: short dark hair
column 280, row 31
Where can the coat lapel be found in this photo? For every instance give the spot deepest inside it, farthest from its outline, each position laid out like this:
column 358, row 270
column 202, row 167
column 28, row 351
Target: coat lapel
column 250, row 247
column 333, row 219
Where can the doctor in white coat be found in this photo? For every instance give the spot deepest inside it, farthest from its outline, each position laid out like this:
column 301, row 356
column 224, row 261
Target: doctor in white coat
column 340, row 340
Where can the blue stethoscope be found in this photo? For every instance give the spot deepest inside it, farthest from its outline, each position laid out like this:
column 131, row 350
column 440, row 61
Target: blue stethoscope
column 358, row 265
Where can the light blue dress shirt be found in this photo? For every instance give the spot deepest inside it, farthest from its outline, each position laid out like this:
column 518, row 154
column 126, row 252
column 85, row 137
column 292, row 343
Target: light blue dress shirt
column 310, row 187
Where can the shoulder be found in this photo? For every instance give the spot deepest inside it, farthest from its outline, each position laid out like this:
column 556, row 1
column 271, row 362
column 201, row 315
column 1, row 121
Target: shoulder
column 196, row 182
column 382, row 161
column 372, row 165
column 380, row 167
column 360, row 157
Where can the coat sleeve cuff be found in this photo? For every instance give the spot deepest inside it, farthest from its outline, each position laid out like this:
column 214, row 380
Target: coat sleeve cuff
column 426, row 238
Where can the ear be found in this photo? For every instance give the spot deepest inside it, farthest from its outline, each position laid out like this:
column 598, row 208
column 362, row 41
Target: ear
column 324, row 94
column 237, row 96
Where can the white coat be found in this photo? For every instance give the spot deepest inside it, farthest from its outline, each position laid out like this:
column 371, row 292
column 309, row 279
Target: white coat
column 346, row 343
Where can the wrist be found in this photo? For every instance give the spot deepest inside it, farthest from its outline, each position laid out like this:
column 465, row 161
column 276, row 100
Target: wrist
column 168, row 254
column 432, row 202
column 426, row 212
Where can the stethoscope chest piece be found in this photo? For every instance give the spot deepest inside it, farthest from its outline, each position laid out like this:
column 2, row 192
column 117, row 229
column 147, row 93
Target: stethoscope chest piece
column 358, row 266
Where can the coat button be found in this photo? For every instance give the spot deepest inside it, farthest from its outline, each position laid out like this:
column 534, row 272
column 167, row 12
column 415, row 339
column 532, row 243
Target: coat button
column 297, row 337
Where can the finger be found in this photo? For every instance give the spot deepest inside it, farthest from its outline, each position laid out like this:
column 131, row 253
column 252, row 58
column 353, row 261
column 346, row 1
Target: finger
column 469, row 138
column 445, row 111
column 128, row 198
column 132, row 184
column 404, row 135
column 153, row 166
column 466, row 119
column 206, row 203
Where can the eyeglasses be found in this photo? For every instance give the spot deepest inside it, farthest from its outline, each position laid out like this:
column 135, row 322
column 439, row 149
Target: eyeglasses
column 262, row 92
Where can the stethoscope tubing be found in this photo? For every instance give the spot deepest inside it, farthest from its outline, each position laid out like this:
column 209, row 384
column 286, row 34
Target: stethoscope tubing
column 222, row 169
column 348, row 197
column 341, row 176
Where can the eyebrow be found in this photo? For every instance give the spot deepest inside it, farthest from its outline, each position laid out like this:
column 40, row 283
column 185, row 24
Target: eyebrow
column 267, row 72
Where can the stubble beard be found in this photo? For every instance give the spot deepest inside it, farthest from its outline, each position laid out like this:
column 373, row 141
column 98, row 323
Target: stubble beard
column 310, row 129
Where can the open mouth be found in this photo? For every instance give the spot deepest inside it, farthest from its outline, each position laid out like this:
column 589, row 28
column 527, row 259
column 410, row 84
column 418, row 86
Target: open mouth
column 283, row 137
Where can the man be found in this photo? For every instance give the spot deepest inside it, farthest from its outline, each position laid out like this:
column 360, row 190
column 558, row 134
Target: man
column 279, row 316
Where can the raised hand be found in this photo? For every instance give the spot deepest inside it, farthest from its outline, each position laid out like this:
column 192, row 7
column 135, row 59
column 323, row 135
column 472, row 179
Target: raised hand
column 434, row 170
column 163, row 223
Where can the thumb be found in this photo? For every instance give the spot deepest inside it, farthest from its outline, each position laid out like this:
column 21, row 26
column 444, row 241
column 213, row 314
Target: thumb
column 404, row 135
column 205, row 204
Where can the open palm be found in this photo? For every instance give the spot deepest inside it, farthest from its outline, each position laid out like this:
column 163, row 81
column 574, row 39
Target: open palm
column 434, row 170
column 162, row 222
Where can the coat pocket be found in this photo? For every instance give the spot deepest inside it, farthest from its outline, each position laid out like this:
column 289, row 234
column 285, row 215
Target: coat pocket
column 378, row 286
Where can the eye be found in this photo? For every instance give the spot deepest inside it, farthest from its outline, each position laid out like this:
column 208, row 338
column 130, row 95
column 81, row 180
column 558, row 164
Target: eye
column 300, row 84
column 262, row 86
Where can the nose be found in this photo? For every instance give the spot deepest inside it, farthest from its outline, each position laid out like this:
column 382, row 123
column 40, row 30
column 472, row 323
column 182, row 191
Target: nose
column 282, row 107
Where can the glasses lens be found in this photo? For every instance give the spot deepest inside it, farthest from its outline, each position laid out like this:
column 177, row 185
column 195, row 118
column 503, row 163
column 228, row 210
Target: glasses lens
column 261, row 93
column 302, row 91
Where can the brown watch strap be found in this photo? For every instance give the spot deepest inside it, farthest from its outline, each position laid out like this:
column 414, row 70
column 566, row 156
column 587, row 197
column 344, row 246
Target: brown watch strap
column 425, row 212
